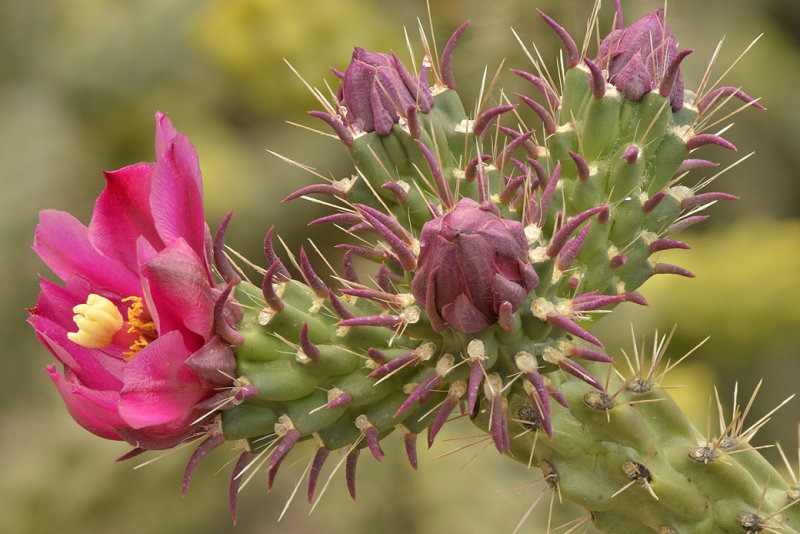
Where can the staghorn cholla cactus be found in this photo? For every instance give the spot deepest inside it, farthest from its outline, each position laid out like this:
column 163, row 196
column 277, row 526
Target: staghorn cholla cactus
column 492, row 247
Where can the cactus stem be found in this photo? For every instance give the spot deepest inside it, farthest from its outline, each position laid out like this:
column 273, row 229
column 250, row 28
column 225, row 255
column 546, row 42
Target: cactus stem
column 289, row 439
column 350, row 471
column 573, row 57
column 271, row 257
column 448, row 78
column 666, row 268
column 242, row 463
column 343, row 132
column 547, row 119
column 482, row 121
column 316, row 468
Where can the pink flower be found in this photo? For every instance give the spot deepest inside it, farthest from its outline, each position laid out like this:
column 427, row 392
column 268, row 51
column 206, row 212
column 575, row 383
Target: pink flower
column 138, row 302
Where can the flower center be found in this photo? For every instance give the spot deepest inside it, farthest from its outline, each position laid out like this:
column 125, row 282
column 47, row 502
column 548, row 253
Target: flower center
column 146, row 329
column 97, row 320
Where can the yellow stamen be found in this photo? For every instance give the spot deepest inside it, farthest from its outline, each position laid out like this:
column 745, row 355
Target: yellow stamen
column 97, row 320
column 145, row 329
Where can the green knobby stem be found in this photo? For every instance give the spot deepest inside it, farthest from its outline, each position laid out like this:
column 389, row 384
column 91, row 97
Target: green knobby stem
column 639, row 466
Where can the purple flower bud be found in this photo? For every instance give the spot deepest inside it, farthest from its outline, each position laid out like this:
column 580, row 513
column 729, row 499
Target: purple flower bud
column 377, row 90
column 471, row 262
column 637, row 57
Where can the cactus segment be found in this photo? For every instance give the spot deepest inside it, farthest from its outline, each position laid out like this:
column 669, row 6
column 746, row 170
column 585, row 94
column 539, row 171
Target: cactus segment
column 492, row 251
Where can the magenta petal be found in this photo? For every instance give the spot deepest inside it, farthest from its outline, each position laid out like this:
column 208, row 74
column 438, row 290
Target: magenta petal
column 122, row 214
column 177, row 287
column 158, row 387
column 63, row 244
column 96, row 411
column 176, row 194
column 97, row 369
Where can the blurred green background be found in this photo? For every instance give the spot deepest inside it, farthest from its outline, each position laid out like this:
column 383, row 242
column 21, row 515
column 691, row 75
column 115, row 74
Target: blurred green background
column 80, row 81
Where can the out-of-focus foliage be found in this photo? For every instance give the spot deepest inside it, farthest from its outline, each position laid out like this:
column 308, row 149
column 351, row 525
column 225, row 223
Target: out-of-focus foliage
column 79, row 83
column 251, row 38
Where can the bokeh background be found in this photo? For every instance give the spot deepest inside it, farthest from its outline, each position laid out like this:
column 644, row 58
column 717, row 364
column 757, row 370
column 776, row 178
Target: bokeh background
column 80, row 81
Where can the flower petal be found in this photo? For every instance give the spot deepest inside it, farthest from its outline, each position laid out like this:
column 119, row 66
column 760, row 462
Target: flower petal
column 122, row 214
column 158, row 388
column 94, row 410
column 178, row 293
column 95, row 368
column 176, row 193
column 63, row 244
